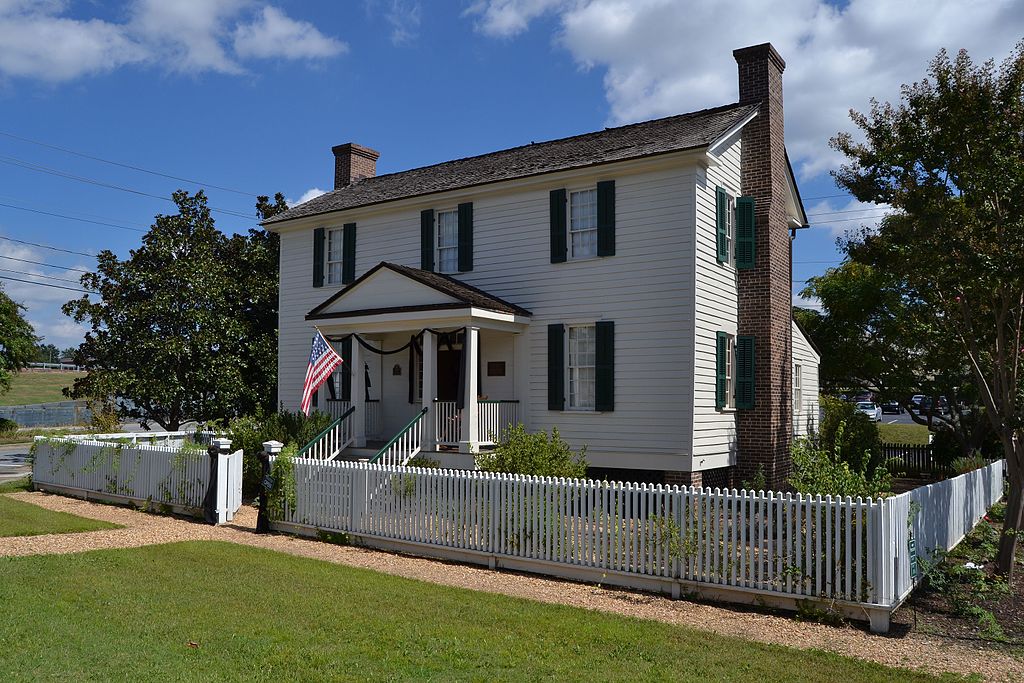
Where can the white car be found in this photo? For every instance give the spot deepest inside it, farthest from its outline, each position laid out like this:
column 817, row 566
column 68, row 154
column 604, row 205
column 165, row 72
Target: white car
column 872, row 410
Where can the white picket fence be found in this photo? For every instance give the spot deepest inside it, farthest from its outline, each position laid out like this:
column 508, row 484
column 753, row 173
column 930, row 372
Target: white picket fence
column 741, row 546
column 111, row 467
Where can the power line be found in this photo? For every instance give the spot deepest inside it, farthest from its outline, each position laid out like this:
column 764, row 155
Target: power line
column 48, row 265
column 124, row 165
column 849, row 220
column 832, row 213
column 824, row 196
column 71, row 218
column 47, row 246
column 48, row 277
column 44, row 284
column 21, row 163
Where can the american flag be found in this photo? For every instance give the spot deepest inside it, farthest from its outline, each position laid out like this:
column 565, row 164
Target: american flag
column 322, row 361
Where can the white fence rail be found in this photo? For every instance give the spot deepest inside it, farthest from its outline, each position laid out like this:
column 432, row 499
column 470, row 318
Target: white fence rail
column 373, row 424
column 494, row 418
column 328, row 444
column 96, row 466
column 742, row 546
column 447, row 423
column 405, row 445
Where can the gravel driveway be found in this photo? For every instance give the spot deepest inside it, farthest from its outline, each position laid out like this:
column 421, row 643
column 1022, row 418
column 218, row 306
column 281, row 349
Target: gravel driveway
column 909, row 650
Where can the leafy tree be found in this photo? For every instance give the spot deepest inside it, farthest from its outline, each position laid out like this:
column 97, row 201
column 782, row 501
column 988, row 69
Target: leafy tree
column 46, row 353
column 17, row 340
column 949, row 159
column 186, row 327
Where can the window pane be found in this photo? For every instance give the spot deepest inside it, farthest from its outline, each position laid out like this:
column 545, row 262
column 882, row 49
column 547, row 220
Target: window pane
column 448, row 241
column 583, row 223
column 581, row 366
column 334, row 256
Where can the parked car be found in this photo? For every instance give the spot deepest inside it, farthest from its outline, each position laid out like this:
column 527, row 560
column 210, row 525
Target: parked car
column 929, row 406
column 872, row 410
column 917, row 399
column 894, row 407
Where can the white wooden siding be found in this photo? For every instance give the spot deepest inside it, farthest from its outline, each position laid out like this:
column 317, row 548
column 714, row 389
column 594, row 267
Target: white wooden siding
column 806, row 420
column 646, row 289
column 715, row 309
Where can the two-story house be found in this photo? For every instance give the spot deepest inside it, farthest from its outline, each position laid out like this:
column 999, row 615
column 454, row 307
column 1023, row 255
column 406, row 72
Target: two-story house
column 630, row 287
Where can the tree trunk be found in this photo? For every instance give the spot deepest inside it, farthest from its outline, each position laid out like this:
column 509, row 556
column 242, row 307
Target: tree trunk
column 1008, row 541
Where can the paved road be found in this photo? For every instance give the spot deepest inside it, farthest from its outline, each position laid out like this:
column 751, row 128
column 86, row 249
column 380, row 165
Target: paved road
column 14, row 462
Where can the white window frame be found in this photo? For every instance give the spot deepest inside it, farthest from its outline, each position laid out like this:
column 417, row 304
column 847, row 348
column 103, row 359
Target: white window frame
column 569, row 368
column 730, row 229
column 798, row 388
column 439, row 248
column 335, row 276
column 568, row 223
column 730, row 371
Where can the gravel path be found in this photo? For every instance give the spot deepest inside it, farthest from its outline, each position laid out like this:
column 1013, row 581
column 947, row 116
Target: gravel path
column 911, row 650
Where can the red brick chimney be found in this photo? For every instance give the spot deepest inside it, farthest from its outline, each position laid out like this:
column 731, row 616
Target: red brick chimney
column 353, row 162
column 765, row 301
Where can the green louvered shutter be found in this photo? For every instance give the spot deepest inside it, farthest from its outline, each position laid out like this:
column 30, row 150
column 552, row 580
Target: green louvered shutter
column 346, row 369
column 745, row 232
column 558, row 237
column 466, row 237
column 606, row 218
column 745, row 364
column 722, row 218
column 348, row 253
column 721, row 375
column 556, row 367
column 318, row 257
column 427, row 239
column 604, row 362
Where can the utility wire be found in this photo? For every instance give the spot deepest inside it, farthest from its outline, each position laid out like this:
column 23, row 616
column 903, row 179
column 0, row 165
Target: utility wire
column 48, row 277
column 71, row 218
column 48, row 265
column 123, row 165
column 44, row 284
column 832, row 213
column 47, row 246
column 21, row 163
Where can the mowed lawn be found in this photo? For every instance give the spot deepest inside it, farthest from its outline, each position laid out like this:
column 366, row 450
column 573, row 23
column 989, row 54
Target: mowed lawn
column 209, row 611
column 903, row 433
column 18, row 518
column 38, row 387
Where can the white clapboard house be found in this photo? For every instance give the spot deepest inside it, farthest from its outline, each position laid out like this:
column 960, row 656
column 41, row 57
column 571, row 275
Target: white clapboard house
column 630, row 287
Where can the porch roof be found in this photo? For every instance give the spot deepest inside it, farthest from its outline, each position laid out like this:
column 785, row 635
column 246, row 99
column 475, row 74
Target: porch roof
column 390, row 290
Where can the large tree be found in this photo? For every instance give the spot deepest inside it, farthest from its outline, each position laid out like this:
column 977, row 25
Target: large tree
column 186, row 327
column 949, row 159
column 17, row 340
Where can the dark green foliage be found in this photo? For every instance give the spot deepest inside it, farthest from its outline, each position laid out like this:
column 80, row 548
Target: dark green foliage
column 522, row 452
column 7, row 427
column 818, row 470
column 17, row 340
column 47, row 353
column 291, row 429
column 185, row 328
column 857, row 444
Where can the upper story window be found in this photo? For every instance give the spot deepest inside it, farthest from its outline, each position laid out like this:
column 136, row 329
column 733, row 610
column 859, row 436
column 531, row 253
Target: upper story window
column 730, row 228
column 583, row 224
column 448, row 241
column 335, row 250
column 582, row 359
column 798, row 388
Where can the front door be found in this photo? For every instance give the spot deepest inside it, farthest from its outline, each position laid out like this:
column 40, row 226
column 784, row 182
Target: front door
column 448, row 374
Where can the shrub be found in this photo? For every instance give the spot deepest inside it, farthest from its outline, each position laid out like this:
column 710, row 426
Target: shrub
column 520, row 452
column 7, row 427
column 968, row 464
column 291, row 429
column 817, row 470
column 857, row 443
column 105, row 419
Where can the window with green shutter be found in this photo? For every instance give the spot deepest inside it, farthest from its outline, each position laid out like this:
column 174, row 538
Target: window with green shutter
column 466, row 237
column 745, row 232
column 723, row 224
column 348, row 256
column 723, row 351
column 606, row 218
column 745, row 365
column 558, row 229
column 318, row 257
column 427, row 239
column 604, row 391
column 556, row 367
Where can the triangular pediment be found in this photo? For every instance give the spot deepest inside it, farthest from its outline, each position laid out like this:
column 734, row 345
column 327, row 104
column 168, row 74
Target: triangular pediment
column 382, row 290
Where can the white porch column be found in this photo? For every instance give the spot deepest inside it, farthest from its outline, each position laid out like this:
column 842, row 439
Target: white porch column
column 358, row 395
column 470, row 442
column 429, row 389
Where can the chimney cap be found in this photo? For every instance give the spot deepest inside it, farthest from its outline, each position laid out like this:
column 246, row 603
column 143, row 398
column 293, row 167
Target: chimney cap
column 356, row 149
column 759, row 52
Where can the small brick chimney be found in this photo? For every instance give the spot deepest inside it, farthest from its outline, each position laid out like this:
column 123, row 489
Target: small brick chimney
column 765, row 300
column 353, row 162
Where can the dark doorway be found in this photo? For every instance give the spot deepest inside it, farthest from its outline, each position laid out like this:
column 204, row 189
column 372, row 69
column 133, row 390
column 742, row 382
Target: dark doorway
column 448, row 374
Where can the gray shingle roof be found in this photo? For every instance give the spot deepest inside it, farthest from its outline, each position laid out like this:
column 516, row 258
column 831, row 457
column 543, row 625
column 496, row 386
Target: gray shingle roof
column 670, row 134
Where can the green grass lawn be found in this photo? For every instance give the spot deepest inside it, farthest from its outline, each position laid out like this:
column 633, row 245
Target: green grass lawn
column 202, row 611
column 25, row 435
column 18, row 518
column 899, row 433
column 38, row 387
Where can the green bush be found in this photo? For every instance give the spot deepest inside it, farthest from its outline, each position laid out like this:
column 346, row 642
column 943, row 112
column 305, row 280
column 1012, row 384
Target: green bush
column 291, row 429
column 857, row 443
column 105, row 419
column 7, row 427
column 818, row 470
column 521, row 452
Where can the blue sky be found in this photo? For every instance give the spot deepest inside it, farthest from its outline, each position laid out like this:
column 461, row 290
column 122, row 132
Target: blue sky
column 251, row 95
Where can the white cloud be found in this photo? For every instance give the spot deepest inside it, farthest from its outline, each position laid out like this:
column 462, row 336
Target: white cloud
column 43, row 302
column 273, row 34
column 38, row 40
column 662, row 57
column 404, row 19
column 311, row 193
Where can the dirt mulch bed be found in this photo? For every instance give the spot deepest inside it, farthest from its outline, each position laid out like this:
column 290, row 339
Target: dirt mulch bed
column 904, row 647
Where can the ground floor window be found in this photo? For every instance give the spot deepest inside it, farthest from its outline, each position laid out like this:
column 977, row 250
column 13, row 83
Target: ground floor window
column 582, row 367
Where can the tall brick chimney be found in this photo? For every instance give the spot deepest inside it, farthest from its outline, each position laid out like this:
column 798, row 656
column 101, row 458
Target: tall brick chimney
column 765, row 301
column 353, row 162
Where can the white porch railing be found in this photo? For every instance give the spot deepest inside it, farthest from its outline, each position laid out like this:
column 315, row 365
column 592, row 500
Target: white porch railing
column 404, row 446
column 373, row 424
column 494, row 418
column 328, row 444
column 447, row 423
